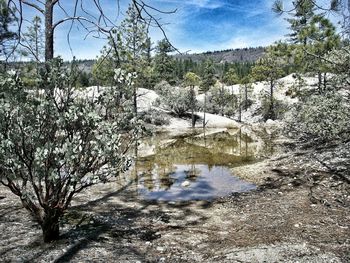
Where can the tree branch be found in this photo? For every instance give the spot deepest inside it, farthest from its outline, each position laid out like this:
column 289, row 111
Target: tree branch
column 34, row 6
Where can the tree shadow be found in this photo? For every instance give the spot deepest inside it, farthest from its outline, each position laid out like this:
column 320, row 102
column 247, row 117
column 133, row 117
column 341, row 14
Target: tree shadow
column 124, row 223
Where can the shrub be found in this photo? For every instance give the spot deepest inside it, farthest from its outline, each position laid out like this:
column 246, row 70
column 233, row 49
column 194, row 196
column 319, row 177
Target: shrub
column 155, row 117
column 56, row 142
column 220, row 101
column 175, row 99
column 279, row 108
column 323, row 117
column 162, row 88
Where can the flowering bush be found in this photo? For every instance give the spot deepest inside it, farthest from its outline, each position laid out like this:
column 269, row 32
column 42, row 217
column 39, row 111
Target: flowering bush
column 55, row 141
column 324, row 117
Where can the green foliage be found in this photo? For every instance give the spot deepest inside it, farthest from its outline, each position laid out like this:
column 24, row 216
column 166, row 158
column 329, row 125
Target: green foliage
column 221, row 101
column 323, row 117
column 280, row 108
column 246, row 90
column 269, row 69
column 182, row 66
column 208, row 77
column 231, row 77
column 162, row 88
column 135, row 46
column 313, row 36
column 129, row 49
column 163, row 64
column 34, row 40
column 155, row 117
column 103, row 71
column 56, row 140
column 191, row 79
column 175, row 99
column 338, row 62
column 6, row 35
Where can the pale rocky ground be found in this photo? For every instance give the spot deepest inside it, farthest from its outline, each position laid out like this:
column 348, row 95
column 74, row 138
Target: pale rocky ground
column 299, row 213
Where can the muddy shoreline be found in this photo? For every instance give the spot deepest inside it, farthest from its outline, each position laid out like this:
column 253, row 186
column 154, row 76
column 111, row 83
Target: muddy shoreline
column 299, row 213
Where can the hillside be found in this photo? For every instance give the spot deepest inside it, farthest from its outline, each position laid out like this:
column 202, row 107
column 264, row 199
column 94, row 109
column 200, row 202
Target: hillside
column 229, row 55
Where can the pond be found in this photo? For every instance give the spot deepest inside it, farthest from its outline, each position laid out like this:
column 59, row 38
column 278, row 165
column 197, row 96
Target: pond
column 194, row 165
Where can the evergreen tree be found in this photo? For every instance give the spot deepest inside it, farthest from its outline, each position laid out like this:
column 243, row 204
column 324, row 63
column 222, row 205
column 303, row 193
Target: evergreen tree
column 320, row 38
column 269, row 69
column 6, row 35
column 231, row 77
column 208, row 81
column 304, row 11
column 135, row 48
column 34, row 40
column 164, row 63
column 192, row 80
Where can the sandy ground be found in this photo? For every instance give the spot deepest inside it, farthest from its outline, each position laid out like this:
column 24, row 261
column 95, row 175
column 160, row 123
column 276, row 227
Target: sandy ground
column 300, row 213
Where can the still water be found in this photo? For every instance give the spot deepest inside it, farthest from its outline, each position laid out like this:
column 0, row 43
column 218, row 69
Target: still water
column 196, row 166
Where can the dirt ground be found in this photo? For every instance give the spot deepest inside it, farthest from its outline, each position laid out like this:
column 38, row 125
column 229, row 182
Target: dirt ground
column 299, row 213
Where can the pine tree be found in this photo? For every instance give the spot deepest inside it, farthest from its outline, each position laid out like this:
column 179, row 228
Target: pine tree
column 6, row 35
column 34, row 40
column 192, row 80
column 135, row 47
column 163, row 62
column 269, row 69
column 320, row 38
column 304, row 11
column 246, row 83
column 208, row 81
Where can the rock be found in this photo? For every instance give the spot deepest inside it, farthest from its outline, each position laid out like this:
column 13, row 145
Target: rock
column 185, row 184
column 160, row 249
column 270, row 122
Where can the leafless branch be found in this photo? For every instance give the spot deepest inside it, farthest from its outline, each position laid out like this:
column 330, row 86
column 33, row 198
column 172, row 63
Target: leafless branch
column 38, row 8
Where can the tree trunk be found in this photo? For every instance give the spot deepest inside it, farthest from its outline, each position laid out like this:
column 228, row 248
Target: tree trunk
column 50, row 227
column 192, row 107
column 205, row 104
column 222, row 104
column 319, row 84
column 48, row 30
column 324, row 81
column 246, row 97
column 135, row 100
column 272, row 106
column 240, row 112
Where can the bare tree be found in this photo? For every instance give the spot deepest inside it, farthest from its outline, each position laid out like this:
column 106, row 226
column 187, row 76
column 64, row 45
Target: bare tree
column 100, row 25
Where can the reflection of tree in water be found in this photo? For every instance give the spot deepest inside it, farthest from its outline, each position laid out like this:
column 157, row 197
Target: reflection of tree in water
column 192, row 173
column 158, row 171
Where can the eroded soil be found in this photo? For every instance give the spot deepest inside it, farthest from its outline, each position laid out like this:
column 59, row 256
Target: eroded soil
column 300, row 213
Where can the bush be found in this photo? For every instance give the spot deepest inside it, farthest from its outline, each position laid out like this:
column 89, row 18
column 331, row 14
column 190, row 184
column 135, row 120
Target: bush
column 220, row 101
column 55, row 141
column 321, row 117
column 162, row 88
column 175, row 99
column 155, row 117
column 178, row 101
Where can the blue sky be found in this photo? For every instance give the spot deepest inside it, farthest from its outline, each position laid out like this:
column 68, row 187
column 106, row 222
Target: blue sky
column 197, row 26
column 202, row 25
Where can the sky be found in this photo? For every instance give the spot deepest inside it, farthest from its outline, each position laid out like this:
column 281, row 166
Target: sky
column 196, row 26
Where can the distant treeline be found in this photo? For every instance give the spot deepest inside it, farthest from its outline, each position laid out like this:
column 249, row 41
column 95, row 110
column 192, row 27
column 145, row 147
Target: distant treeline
column 182, row 66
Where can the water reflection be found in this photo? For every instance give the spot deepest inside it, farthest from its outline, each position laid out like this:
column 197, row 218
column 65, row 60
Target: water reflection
column 196, row 165
column 207, row 184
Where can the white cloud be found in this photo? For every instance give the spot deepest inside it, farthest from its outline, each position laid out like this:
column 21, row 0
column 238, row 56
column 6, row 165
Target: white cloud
column 207, row 4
